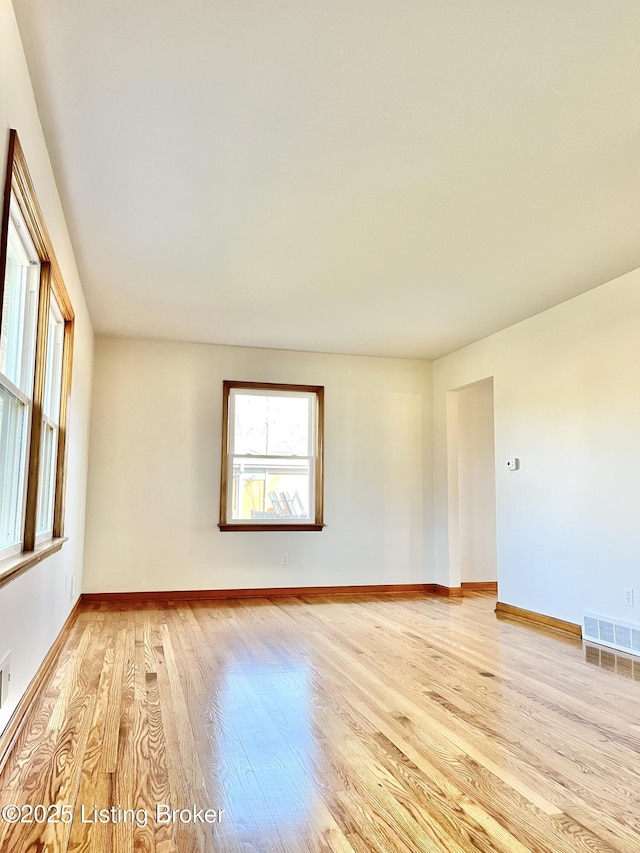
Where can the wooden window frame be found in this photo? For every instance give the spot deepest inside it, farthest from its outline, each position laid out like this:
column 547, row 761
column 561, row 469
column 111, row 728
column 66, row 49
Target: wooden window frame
column 18, row 183
column 245, row 527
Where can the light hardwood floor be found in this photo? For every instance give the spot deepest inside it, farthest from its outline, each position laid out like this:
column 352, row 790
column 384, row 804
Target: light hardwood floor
column 388, row 724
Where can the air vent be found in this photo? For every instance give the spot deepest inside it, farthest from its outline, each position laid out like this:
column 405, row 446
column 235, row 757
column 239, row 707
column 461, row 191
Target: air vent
column 615, row 633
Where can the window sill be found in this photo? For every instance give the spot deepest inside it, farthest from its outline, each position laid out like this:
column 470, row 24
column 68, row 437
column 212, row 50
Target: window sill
column 16, row 565
column 250, row 528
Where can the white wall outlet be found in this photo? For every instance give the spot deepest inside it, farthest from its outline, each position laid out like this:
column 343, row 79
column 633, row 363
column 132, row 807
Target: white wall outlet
column 513, row 464
column 5, row 678
column 285, row 559
column 72, row 591
column 628, row 597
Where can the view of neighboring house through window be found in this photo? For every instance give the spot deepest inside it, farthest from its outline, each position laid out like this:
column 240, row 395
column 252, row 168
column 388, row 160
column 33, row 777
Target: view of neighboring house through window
column 17, row 355
column 273, row 459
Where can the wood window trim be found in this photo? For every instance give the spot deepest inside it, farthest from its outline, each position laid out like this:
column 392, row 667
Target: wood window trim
column 33, row 465
column 248, row 527
column 12, row 567
column 18, row 183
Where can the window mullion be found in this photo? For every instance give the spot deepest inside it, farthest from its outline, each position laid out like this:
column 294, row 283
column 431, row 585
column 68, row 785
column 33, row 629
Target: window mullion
column 30, row 519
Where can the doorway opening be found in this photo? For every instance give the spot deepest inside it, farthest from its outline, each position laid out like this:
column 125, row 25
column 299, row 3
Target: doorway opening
column 472, row 488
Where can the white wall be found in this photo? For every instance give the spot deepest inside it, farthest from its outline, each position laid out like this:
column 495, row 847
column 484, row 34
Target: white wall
column 476, row 483
column 567, row 403
column 154, row 477
column 35, row 605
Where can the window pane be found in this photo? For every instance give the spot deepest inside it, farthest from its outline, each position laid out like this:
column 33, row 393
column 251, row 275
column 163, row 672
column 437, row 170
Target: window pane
column 19, row 310
column 272, row 425
column 47, row 479
column 12, row 466
column 250, row 424
column 53, row 366
column 271, row 489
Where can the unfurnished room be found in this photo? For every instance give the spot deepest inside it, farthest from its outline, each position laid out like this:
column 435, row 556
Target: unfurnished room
column 319, row 412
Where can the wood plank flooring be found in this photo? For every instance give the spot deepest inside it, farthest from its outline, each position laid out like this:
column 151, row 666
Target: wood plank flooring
column 345, row 725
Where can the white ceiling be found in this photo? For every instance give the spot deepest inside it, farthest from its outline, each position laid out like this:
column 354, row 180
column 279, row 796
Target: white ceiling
column 357, row 176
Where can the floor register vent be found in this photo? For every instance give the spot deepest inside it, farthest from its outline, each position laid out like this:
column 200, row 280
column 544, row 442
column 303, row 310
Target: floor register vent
column 614, row 633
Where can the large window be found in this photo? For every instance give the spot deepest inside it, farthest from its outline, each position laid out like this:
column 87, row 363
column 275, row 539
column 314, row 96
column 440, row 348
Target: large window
column 36, row 330
column 272, row 457
column 17, row 353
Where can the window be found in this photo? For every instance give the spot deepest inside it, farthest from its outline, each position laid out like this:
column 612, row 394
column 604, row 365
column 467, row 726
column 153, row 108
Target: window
column 50, row 421
column 36, row 333
column 17, row 352
column 272, row 442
